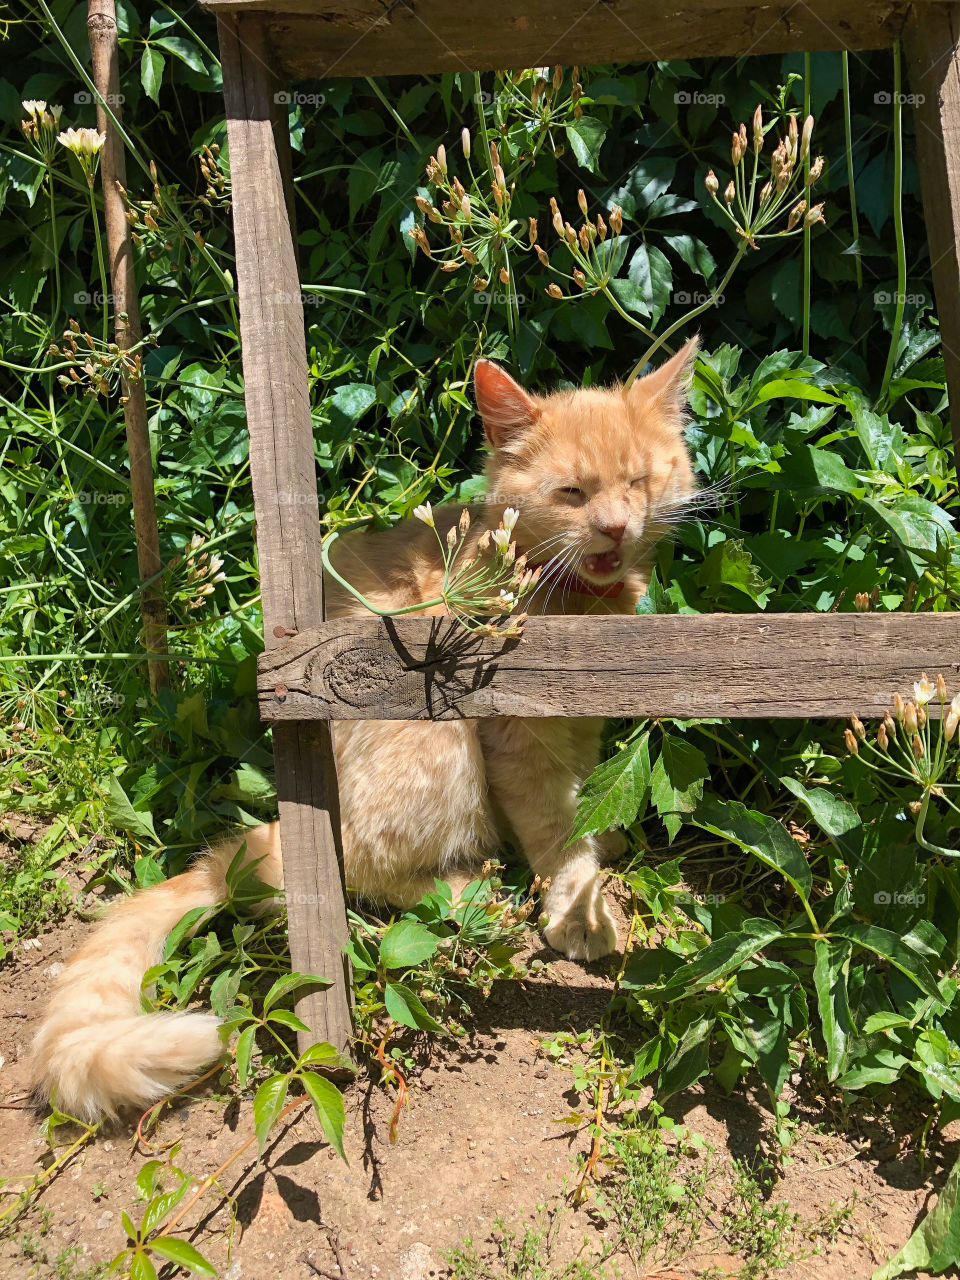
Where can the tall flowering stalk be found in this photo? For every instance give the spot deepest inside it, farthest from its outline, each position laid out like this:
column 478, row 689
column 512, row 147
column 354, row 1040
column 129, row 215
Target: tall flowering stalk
column 40, row 127
column 481, row 590
column 909, row 748
column 86, row 145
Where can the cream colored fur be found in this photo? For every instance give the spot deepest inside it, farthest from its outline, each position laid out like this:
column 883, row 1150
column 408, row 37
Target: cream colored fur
column 593, row 473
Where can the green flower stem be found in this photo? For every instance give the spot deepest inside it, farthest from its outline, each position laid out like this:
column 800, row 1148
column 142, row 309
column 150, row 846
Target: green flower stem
column 691, row 315
column 325, row 546
column 897, row 224
column 922, row 841
column 848, row 136
column 807, row 261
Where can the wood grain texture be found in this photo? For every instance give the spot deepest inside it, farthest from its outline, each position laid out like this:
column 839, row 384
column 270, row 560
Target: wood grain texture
column 376, row 37
column 125, row 305
column 729, row 665
column 288, row 526
column 932, row 44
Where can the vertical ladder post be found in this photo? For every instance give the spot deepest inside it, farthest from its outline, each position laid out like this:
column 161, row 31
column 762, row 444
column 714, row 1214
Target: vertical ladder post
column 285, row 498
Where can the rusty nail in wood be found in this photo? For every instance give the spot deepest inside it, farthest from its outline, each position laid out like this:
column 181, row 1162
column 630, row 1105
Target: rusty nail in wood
column 281, row 632
column 280, row 692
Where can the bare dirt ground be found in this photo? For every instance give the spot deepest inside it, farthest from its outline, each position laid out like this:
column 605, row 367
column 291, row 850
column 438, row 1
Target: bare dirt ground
column 480, row 1139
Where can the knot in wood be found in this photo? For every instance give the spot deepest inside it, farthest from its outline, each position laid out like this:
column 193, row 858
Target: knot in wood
column 363, row 676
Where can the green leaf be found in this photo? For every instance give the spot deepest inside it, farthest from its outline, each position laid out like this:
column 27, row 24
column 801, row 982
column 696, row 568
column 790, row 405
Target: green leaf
column 245, row 1043
column 651, row 272
column 892, row 948
column 585, row 137
column 184, row 1255
column 613, row 794
column 289, row 982
column 715, row 961
column 836, row 817
column 160, row 1206
column 730, row 564
column 880, row 439
column 916, row 524
column 267, row 1105
column 151, row 71
column 326, row 1055
column 406, row 943
column 287, row 1018
column 794, row 389
column 694, row 253
column 328, row 1104
column 141, row 1268
column 121, row 813
column 831, row 974
column 811, row 470
column 688, row 1062
column 677, row 778
column 347, row 406
column 406, row 1007
column 935, row 1245
column 185, row 50
column 759, row 834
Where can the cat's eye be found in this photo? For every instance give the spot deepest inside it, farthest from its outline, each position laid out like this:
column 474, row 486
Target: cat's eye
column 637, row 481
column 572, row 494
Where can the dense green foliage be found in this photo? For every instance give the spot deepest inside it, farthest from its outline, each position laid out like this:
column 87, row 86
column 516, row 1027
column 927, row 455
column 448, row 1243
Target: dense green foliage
column 818, row 430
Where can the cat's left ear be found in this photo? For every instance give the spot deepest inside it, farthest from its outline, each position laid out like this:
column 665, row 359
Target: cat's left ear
column 506, row 409
column 670, row 383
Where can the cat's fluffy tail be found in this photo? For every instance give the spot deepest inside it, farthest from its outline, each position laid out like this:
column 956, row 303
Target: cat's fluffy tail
column 95, row 1050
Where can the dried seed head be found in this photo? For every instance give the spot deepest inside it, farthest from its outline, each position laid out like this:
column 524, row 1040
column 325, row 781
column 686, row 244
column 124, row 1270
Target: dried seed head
column 557, row 78
column 504, row 275
column 579, row 278
column 585, row 236
column 452, row 536
column 815, row 171
column 796, row 213
column 542, row 255
column 554, row 290
column 814, row 215
column 711, row 182
column 494, row 155
column 601, row 228
column 469, row 255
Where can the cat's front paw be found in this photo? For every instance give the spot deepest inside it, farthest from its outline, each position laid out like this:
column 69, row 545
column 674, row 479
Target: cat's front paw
column 611, row 845
column 582, row 928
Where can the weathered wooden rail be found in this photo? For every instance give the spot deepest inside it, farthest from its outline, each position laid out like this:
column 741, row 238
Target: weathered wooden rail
column 312, row 671
column 731, row 665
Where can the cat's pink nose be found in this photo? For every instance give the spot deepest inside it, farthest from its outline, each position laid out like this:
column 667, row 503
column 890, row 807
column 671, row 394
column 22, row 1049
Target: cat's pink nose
column 613, row 531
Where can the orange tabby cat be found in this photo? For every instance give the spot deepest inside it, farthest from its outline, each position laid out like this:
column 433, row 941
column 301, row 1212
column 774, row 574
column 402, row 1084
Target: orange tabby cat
column 595, row 475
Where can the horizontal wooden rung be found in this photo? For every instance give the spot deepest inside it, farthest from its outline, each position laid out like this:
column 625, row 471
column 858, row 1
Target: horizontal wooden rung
column 729, row 665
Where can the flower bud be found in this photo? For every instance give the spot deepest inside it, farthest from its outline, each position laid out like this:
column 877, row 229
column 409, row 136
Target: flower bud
column 465, row 208
column 442, row 159
column 814, row 215
column 910, row 721
column 452, row 535
column 711, row 182
column 464, row 520
column 758, row 130
column 862, row 600
column 616, row 219
column 736, row 153
column 815, row 171
column 582, row 202
column 601, row 229
column 465, row 143
column 898, row 707
column 730, row 193
column 579, row 278
column 542, row 255
column 883, row 742
column 805, row 138
column 856, row 724
column 941, row 688
column 533, row 232
column 917, row 745
column 584, row 236
column 950, row 722
column 504, row 275
column 850, row 740
column 554, row 291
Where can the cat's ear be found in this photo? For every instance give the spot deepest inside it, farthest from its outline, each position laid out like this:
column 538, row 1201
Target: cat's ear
column 506, row 409
column 669, row 384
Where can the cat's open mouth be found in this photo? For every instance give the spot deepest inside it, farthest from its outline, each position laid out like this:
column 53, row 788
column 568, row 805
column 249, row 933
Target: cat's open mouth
column 605, row 564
